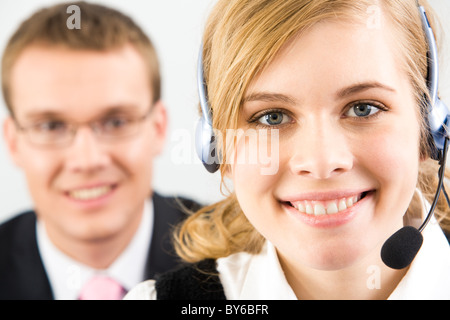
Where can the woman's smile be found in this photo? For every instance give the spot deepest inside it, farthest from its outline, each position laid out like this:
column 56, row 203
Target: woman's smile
column 326, row 209
column 321, row 204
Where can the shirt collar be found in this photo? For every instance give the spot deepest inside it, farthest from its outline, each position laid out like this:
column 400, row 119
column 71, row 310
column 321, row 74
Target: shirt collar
column 274, row 286
column 67, row 276
column 254, row 277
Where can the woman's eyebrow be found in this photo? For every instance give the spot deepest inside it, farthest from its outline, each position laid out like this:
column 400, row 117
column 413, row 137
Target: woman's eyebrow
column 270, row 97
column 361, row 87
column 342, row 93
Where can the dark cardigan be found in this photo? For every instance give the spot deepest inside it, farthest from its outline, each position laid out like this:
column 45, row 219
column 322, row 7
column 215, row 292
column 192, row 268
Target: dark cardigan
column 198, row 281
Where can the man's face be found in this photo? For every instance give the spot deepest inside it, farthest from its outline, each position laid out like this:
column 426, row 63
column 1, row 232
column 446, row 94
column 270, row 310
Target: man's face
column 90, row 188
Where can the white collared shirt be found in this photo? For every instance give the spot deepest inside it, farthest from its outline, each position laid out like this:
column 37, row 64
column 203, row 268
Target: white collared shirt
column 68, row 276
column 255, row 277
column 260, row 277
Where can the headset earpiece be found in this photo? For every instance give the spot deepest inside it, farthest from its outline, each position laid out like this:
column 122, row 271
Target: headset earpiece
column 438, row 112
column 205, row 140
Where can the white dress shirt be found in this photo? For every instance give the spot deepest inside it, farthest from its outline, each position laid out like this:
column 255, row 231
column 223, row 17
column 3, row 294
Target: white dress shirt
column 68, row 276
column 252, row 277
column 244, row 276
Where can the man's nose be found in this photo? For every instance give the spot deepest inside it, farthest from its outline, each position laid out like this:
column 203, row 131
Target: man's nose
column 86, row 154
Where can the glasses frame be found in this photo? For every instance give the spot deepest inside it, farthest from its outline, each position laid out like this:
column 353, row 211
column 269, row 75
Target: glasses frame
column 73, row 127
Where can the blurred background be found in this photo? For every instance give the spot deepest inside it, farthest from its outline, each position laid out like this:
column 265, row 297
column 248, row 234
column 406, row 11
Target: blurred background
column 175, row 27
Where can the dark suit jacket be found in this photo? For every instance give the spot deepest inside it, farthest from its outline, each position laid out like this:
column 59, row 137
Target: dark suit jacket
column 22, row 274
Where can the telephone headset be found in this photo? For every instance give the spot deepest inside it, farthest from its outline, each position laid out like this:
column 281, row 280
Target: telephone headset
column 402, row 247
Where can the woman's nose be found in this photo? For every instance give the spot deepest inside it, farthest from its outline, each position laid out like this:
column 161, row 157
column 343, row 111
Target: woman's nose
column 321, row 151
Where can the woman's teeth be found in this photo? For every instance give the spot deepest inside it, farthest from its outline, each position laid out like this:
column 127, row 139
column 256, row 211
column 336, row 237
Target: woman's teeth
column 319, row 208
column 90, row 194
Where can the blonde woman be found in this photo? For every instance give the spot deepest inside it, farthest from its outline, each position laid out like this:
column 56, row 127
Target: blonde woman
column 342, row 83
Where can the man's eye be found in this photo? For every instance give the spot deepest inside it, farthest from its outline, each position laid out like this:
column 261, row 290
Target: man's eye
column 51, row 126
column 274, row 118
column 115, row 123
column 362, row 110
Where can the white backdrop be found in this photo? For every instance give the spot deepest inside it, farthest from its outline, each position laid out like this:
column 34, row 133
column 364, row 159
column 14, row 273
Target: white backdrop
column 175, row 27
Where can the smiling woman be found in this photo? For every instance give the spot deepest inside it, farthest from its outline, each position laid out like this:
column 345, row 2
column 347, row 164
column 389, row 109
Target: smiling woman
column 347, row 101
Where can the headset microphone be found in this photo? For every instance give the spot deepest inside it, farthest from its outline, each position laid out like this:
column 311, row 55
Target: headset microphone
column 402, row 247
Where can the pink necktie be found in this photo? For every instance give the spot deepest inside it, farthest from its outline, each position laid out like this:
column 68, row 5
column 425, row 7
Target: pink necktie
column 102, row 288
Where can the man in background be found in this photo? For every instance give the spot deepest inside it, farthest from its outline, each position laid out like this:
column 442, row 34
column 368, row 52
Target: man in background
column 85, row 122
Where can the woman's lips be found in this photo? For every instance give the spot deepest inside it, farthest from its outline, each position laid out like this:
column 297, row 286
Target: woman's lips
column 326, row 210
column 317, row 208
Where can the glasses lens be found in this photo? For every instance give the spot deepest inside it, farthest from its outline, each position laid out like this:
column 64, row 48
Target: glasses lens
column 117, row 127
column 49, row 133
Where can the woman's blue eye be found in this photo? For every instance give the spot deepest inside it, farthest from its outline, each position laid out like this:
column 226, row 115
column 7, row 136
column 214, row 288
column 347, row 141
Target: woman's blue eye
column 273, row 119
column 362, row 110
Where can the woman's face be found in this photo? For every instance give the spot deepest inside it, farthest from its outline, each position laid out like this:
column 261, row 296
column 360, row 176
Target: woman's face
column 347, row 146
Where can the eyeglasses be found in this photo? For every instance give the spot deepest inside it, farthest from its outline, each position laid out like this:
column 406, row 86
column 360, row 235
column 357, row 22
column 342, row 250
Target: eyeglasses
column 60, row 133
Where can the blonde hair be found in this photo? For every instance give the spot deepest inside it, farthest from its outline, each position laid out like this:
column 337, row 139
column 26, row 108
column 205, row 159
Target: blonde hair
column 101, row 29
column 240, row 40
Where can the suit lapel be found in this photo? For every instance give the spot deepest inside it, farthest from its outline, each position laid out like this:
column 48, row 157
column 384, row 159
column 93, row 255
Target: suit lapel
column 26, row 276
column 166, row 215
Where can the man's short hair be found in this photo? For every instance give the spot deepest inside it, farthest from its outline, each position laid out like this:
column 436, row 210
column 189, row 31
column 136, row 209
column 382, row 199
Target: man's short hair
column 101, row 29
